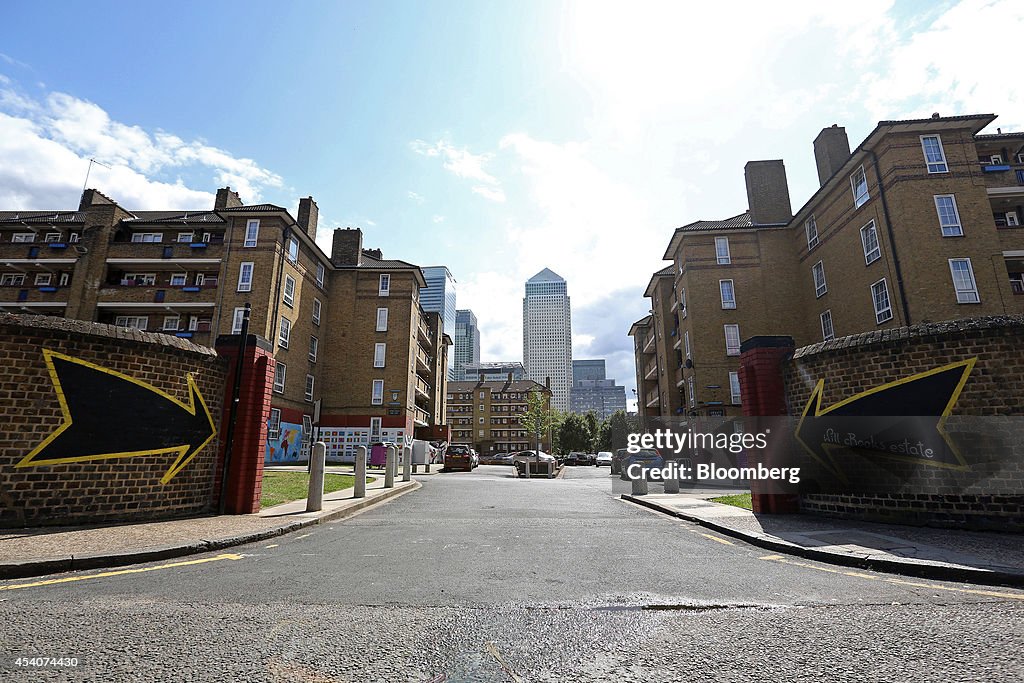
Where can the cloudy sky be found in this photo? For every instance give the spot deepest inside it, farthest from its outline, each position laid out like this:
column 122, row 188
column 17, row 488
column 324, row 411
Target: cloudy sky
column 495, row 138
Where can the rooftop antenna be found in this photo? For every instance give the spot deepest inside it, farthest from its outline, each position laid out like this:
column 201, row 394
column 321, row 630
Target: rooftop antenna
column 89, row 170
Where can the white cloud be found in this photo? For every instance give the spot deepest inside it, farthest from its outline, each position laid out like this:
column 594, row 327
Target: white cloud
column 495, row 194
column 415, row 196
column 465, row 165
column 438, row 218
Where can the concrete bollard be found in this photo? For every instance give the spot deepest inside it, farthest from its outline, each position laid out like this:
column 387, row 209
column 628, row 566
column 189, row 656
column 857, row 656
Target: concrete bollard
column 407, row 463
column 672, row 485
column 317, row 463
column 639, row 486
column 360, row 473
column 389, row 467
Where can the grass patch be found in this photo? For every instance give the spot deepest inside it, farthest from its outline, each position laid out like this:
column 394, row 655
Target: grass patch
column 282, row 487
column 741, row 500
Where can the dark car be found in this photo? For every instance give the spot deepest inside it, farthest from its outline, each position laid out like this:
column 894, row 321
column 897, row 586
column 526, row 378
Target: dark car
column 459, row 457
column 646, row 458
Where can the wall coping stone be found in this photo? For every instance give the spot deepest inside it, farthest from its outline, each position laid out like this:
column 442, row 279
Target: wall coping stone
column 18, row 323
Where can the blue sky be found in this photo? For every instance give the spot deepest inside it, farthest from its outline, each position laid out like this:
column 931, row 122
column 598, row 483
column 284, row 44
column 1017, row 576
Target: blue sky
column 496, row 138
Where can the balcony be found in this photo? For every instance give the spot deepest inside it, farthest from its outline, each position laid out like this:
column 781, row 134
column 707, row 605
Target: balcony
column 40, row 299
column 1017, row 286
column 423, row 360
column 651, row 370
column 421, row 417
column 423, row 331
column 648, row 345
column 169, row 252
column 48, row 253
column 422, row 388
column 127, row 292
column 653, row 399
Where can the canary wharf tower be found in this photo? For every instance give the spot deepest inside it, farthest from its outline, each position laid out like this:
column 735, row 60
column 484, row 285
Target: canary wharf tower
column 547, row 335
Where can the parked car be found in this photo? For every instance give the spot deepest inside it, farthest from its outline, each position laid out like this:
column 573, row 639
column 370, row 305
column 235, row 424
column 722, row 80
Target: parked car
column 646, row 457
column 617, row 459
column 577, row 458
column 501, row 459
column 603, row 458
column 459, row 457
column 520, row 460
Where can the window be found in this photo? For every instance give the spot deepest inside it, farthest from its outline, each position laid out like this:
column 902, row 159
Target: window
column 171, row 323
column 179, row 279
column 193, row 323
column 289, row 291
column 481, row 396
column 949, row 216
column 309, row 387
column 482, row 421
column 307, row 433
column 732, row 340
column 880, row 297
column 286, row 332
column 934, row 157
column 682, row 302
column 52, row 237
column 827, row 332
column 252, row 233
column 385, row 285
column 138, row 322
column 320, row 274
column 734, row 388
column 316, row 311
column 722, row 251
column 74, row 237
column 200, row 279
column 245, row 277
column 1011, row 219
column 728, row 293
column 686, row 342
column 963, row 281
column 293, row 249
column 690, row 391
column 818, row 271
column 148, row 237
column 859, row 185
column 314, row 346
column 23, row 237
column 274, row 424
column 379, row 350
column 869, row 240
column 64, row 278
column 185, row 236
column 280, row 371
column 236, row 321
column 43, row 278
column 811, row 228
column 382, row 320
column 375, row 425
column 206, row 238
column 996, row 159
column 377, row 398
column 148, row 279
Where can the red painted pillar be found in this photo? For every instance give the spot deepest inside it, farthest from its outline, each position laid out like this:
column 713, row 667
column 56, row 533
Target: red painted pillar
column 250, row 441
column 763, row 391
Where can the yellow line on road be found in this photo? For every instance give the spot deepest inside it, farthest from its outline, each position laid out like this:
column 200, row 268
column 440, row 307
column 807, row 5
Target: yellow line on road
column 898, row 582
column 103, row 575
column 716, row 538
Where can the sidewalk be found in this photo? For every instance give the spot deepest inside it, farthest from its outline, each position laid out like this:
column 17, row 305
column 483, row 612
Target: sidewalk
column 944, row 554
column 47, row 550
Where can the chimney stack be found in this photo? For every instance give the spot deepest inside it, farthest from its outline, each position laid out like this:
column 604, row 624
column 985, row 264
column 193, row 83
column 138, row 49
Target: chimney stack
column 831, row 150
column 92, row 198
column 308, row 216
column 226, row 199
column 347, row 248
column 767, row 192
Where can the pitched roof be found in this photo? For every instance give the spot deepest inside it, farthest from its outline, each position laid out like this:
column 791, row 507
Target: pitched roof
column 546, row 275
column 247, row 208
column 42, row 216
column 175, row 217
column 502, row 385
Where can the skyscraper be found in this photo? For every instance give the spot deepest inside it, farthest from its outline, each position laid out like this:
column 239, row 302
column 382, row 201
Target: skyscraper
column 439, row 297
column 547, row 335
column 591, row 390
column 467, row 343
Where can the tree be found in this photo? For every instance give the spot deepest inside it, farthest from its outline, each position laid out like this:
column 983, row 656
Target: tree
column 593, row 425
column 622, row 425
column 539, row 419
column 574, row 434
column 604, row 436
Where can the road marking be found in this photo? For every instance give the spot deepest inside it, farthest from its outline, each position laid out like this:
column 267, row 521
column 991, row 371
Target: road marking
column 103, row 575
column 272, row 545
column 303, row 536
column 899, row 582
column 716, row 538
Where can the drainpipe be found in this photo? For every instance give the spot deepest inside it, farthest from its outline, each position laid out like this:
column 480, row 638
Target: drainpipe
column 892, row 240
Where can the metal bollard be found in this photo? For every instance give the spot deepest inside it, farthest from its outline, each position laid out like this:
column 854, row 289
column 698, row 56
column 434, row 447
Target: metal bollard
column 639, row 486
column 389, row 468
column 407, row 463
column 671, row 485
column 360, row 473
column 317, row 462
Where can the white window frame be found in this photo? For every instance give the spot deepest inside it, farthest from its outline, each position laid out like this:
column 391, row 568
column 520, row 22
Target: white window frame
column 377, row 392
column 293, row 249
column 236, row 320
column 828, row 330
column 280, row 377
column 686, row 342
column 147, row 237
column 74, row 237
column 723, row 258
column 244, row 282
column 144, row 279
column 996, row 159
column 274, row 424
column 183, row 277
column 289, row 291
column 732, row 350
column 136, row 322
column 820, row 283
column 23, row 238
column 682, row 302
column 252, row 234
column 1012, row 220
column 320, row 273
column 382, row 319
column 314, row 348
column 200, row 279
column 936, row 165
column 317, row 308
column 955, row 229
column 310, row 384
column 193, row 323
column 871, row 254
column 729, row 303
column 172, row 323
column 64, row 279
column 285, row 333
column 52, row 237
column 691, row 392
column 881, row 314
column 969, row 293
column 380, row 350
column 186, row 237
column 811, row 231
column 43, row 279
column 384, row 285
column 859, row 199
column 376, row 424
column 734, row 389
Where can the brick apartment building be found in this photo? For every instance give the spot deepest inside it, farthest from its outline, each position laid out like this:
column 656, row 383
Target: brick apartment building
column 346, row 330
column 485, row 414
column 921, row 222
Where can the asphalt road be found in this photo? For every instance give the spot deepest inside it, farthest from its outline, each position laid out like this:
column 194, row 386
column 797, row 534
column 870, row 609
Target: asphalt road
column 483, row 577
